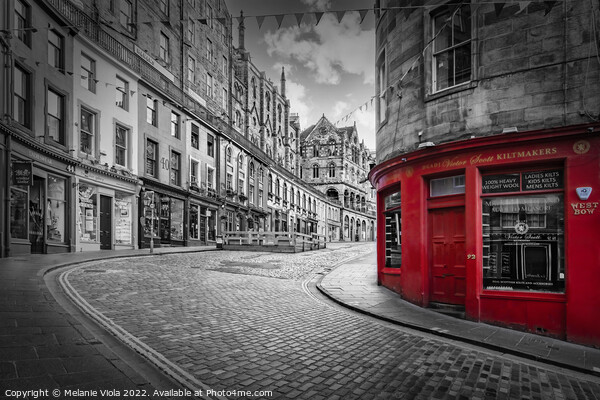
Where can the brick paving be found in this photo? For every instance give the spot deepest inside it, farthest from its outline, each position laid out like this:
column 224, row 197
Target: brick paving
column 242, row 321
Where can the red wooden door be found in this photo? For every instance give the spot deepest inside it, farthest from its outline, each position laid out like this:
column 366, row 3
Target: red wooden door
column 447, row 238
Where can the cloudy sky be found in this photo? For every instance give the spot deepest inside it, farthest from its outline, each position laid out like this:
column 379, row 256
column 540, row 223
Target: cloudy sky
column 330, row 67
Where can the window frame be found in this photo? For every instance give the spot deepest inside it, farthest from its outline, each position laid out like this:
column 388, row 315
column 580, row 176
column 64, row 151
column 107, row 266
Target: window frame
column 124, row 90
column 175, row 125
column 151, row 114
column 26, row 83
column 92, row 133
column 57, row 50
column 23, row 22
column 61, row 118
column 175, row 168
column 153, row 161
column 122, row 148
column 164, row 51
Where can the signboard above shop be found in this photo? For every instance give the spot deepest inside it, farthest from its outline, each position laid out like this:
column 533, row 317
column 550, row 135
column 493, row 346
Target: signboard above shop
column 525, row 181
column 22, row 173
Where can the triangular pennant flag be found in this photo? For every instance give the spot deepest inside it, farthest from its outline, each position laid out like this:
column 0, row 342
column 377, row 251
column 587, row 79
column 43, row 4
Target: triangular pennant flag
column 363, row 14
column 259, row 20
column 96, row 80
column 203, row 21
column 149, row 24
column 549, row 5
column 279, row 19
column 340, row 15
column 299, row 17
column 71, row 74
column 522, row 6
column 240, row 20
column 360, row 108
column 131, row 92
column 106, row 84
column 498, row 7
column 318, row 16
column 222, row 20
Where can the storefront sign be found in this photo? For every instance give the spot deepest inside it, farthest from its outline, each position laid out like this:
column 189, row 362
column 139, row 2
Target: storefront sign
column 22, row 174
column 500, row 183
column 587, row 208
column 543, row 180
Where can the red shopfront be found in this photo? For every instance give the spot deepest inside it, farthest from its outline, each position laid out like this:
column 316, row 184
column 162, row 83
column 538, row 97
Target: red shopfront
column 506, row 226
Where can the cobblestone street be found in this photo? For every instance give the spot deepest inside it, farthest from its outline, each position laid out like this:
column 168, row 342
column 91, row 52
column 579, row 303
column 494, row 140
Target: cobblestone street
column 242, row 321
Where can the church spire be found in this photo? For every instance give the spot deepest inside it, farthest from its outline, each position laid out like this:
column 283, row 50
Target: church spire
column 241, row 32
column 283, row 82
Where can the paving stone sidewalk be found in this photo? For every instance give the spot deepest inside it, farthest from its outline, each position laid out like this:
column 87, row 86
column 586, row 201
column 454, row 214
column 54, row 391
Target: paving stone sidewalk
column 354, row 285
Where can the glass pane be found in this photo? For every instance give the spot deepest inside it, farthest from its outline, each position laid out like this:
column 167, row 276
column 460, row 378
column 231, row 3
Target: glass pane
column 176, row 219
column 442, row 31
column 88, row 213
column 443, row 71
column 18, row 214
column 462, row 25
column 123, row 218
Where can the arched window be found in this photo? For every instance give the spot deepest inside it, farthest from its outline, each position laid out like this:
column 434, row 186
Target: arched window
column 228, row 155
column 291, row 196
column 240, row 161
column 253, row 83
column 270, row 183
column 268, row 101
column 309, row 204
column 298, row 198
column 238, row 118
column 285, row 191
column 315, row 171
column 314, row 206
column 332, row 170
column 279, row 113
column 277, row 192
column 251, row 170
column 260, row 174
column 304, row 201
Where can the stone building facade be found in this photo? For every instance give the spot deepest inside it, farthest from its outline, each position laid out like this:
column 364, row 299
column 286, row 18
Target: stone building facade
column 488, row 151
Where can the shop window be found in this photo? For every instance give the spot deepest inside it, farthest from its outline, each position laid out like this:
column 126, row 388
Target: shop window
column 151, row 158
column 121, row 141
column 23, row 22
column 451, row 30
column 18, row 213
column 88, row 73
column 22, row 97
column 176, row 232
column 194, row 221
column 121, row 91
column 88, row 213
column 55, row 118
column 55, row 50
column 55, row 209
column 393, row 230
column 447, row 186
column 87, row 132
column 123, row 218
column 523, row 243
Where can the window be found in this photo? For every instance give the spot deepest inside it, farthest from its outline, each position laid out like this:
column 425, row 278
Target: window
column 18, row 213
column 279, row 113
column 315, row 171
column 121, row 139
column 447, row 186
column 332, row 170
column 194, row 172
column 209, row 16
column 451, row 47
column 175, row 168
column 126, row 14
column 195, row 137
column 121, row 93
column 209, row 50
column 381, row 88
column 210, row 177
column 151, row 158
column 22, row 97
column 224, row 99
column 88, row 71
column 23, row 22
column 55, row 118
column 209, row 85
column 260, row 197
column 224, row 66
column 191, row 76
column 55, row 50
column 163, row 51
column 175, row 131
column 191, row 32
column 164, row 6
column 393, row 230
column 87, row 130
column 210, row 146
column 151, row 111
column 251, row 170
column 228, row 155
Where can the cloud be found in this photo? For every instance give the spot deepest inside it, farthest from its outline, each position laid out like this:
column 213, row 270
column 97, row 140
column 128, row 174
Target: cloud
column 296, row 93
column 319, row 5
column 340, row 109
column 329, row 49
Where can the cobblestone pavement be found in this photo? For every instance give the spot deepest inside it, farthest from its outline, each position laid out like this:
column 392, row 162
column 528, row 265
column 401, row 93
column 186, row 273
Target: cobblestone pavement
column 227, row 322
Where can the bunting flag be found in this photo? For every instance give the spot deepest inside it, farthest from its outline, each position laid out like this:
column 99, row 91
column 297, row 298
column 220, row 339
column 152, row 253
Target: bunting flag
column 131, row 92
column 240, row 20
column 299, row 17
column 148, row 24
column 340, row 15
column 222, row 20
column 363, row 14
column 549, row 5
column 522, row 6
column 259, row 20
column 498, row 7
column 279, row 18
column 203, row 21
column 318, row 16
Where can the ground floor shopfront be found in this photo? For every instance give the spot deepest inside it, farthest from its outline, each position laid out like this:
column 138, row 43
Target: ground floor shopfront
column 505, row 227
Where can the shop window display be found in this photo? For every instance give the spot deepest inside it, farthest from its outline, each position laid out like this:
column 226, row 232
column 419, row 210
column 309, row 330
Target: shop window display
column 88, row 213
column 55, row 209
column 123, row 218
column 18, row 213
column 194, row 222
column 393, row 230
column 523, row 243
column 176, row 219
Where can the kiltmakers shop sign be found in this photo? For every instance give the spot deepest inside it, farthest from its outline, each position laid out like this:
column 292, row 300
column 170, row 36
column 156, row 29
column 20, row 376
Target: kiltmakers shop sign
column 523, row 234
column 22, row 174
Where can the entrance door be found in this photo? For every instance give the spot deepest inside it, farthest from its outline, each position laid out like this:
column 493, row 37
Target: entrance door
column 447, row 238
column 105, row 223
